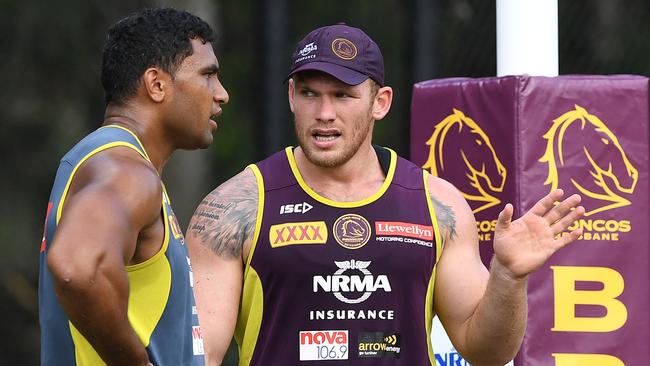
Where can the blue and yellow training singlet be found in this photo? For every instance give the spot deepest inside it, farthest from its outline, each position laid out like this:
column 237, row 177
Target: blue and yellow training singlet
column 161, row 304
column 332, row 283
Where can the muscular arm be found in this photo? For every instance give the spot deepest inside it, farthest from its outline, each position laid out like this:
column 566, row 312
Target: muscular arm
column 113, row 196
column 219, row 238
column 485, row 313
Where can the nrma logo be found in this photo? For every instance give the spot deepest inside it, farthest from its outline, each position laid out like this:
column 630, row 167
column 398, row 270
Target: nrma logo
column 580, row 139
column 345, row 285
column 459, row 147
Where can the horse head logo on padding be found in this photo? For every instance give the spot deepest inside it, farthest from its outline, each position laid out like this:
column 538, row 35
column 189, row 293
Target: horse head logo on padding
column 458, row 144
column 578, row 139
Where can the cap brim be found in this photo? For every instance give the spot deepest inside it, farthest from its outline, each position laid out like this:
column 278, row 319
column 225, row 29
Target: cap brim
column 348, row 76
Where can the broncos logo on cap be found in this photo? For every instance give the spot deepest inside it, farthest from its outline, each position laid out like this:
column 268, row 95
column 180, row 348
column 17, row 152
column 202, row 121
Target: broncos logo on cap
column 591, row 145
column 459, row 145
column 344, row 48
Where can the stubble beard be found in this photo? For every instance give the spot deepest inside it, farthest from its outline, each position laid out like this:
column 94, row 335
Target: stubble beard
column 327, row 160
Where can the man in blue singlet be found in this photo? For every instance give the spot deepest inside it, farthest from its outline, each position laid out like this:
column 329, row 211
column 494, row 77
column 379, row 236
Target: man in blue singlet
column 115, row 280
column 339, row 252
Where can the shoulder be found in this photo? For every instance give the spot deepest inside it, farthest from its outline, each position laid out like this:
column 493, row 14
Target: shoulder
column 242, row 183
column 451, row 209
column 125, row 168
column 443, row 189
column 443, row 192
column 122, row 177
column 225, row 219
column 242, row 187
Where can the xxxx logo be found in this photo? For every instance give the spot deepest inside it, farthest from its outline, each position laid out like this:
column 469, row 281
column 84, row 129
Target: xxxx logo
column 584, row 155
column 291, row 233
column 461, row 152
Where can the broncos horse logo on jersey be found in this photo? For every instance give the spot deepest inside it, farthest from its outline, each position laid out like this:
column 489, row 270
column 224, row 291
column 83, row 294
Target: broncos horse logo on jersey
column 351, row 231
column 578, row 140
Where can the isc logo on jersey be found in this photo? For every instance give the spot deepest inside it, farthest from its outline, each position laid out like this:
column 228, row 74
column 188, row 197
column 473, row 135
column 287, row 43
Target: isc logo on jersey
column 323, row 345
column 295, row 208
column 345, row 285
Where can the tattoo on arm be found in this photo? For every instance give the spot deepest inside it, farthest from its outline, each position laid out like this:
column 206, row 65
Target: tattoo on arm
column 226, row 218
column 445, row 216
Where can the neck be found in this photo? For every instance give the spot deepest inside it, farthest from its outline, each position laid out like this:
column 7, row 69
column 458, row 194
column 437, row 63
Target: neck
column 144, row 125
column 355, row 180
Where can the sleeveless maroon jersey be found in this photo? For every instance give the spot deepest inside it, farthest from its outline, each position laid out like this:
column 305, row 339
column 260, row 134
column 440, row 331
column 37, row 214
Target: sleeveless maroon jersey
column 339, row 283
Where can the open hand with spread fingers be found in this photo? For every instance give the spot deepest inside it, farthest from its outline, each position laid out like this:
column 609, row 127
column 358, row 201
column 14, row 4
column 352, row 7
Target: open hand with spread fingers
column 524, row 245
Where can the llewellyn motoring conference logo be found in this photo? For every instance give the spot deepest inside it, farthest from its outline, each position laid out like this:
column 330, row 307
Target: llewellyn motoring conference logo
column 457, row 143
column 584, row 155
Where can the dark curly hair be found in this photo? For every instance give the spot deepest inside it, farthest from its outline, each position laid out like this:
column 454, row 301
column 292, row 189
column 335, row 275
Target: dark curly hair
column 152, row 37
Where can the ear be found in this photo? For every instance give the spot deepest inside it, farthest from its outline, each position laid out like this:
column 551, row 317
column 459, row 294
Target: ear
column 382, row 103
column 291, row 91
column 155, row 83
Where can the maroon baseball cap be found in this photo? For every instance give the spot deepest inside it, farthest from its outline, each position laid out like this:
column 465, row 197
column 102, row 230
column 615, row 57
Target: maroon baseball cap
column 345, row 52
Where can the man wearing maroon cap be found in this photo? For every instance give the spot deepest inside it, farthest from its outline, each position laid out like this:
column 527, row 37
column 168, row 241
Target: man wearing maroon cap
column 332, row 252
